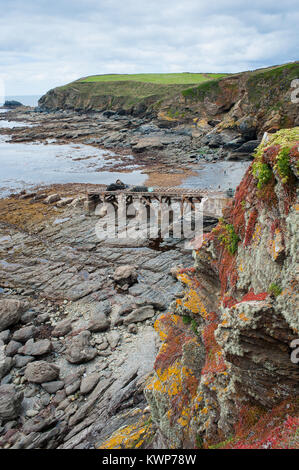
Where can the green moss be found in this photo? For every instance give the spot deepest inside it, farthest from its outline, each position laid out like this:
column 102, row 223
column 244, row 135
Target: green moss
column 283, row 164
column 274, row 289
column 199, row 442
column 222, row 444
column 186, row 320
column 262, row 172
column 229, row 238
column 194, row 326
column 285, row 139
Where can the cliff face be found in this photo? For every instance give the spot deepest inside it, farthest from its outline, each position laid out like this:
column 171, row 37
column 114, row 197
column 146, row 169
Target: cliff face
column 250, row 102
column 258, row 101
column 224, row 376
column 225, row 361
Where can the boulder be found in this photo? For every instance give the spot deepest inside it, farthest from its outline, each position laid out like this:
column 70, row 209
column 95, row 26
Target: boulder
column 10, row 312
column 53, row 387
column 248, row 147
column 98, row 322
column 89, row 382
column 72, row 381
column 148, row 143
column 28, row 316
column 113, row 338
column 41, row 371
column 79, row 350
column 52, row 198
column 10, row 402
column 5, row 366
column 22, row 361
column 37, row 348
column 125, row 275
column 4, row 336
column 62, row 328
column 65, row 201
column 12, row 348
column 23, row 334
column 139, row 314
column 98, row 318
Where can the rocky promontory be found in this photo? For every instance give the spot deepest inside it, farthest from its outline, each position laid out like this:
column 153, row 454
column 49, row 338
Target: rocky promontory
column 253, row 102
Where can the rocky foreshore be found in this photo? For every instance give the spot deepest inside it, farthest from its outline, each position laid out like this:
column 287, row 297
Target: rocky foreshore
column 76, row 322
column 152, row 141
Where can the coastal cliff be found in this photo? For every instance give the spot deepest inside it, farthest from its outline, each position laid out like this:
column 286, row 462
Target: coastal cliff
column 255, row 101
column 224, row 376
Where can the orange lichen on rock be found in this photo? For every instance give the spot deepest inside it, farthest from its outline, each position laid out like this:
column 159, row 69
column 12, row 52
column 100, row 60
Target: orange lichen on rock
column 192, row 300
column 174, row 378
column 133, row 436
column 276, row 245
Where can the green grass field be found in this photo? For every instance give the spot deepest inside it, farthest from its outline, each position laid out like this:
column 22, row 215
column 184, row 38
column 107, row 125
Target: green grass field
column 159, row 78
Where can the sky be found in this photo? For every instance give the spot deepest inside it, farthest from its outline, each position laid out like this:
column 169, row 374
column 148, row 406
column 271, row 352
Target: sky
column 44, row 44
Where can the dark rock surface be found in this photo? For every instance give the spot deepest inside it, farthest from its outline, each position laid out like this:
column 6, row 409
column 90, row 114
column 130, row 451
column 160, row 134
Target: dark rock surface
column 85, row 346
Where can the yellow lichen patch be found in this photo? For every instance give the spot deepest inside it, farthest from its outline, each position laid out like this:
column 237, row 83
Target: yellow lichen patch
column 129, row 437
column 166, row 117
column 257, row 235
column 193, row 302
column 185, row 279
column 171, row 375
column 161, row 328
column 185, row 417
column 276, row 245
column 243, row 317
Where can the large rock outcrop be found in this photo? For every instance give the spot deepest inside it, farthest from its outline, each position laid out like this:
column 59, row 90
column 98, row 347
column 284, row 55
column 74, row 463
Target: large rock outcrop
column 224, row 375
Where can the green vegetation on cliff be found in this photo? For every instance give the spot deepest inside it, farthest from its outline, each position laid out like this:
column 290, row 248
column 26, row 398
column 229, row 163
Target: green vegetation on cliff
column 161, row 78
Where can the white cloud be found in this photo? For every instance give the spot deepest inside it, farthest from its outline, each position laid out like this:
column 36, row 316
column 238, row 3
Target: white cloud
column 45, row 44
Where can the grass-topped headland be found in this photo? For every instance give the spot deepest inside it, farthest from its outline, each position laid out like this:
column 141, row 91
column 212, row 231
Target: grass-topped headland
column 185, row 96
column 184, row 78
